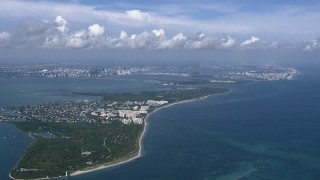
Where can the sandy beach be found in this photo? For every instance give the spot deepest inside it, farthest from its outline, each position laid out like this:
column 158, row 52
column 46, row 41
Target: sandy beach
column 126, row 160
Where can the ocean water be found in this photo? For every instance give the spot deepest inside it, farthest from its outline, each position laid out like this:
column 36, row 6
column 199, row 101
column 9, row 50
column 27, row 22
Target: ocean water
column 261, row 130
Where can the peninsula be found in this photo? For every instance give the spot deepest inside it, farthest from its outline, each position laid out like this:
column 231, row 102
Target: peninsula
column 70, row 137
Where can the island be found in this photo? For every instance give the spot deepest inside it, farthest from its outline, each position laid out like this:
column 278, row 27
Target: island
column 75, row 137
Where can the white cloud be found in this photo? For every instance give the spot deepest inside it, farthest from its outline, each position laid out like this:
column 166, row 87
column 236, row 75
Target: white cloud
column 51, row 41
column 43, row 34
column 252, row 40
column 307, row 48
column 179, row 37
column 123, row 35
column 201, row 36
column 166, row 44
column 78, row 40
column 96, row 30
column 312, row 45
column 286, row 22
column 159, row 33
column 4, row 36
column 133, row 36
column 93, row 38
column 200, row 41
column 228, row 42
column 138, row 15
column 144, row 40
column 61, row 24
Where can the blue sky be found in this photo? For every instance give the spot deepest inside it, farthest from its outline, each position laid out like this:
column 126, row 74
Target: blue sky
column 272, row 21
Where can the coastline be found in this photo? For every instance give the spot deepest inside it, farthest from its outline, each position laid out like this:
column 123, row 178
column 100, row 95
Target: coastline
column 132, row 155
column 33, row 140
column 145, row 128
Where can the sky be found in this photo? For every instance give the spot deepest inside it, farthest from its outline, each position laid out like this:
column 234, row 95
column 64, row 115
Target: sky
column 150, row 24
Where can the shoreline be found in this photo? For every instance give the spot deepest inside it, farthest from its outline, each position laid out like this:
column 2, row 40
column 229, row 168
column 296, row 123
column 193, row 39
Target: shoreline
column 145, row 128
column 31, row 137
column 132, row 155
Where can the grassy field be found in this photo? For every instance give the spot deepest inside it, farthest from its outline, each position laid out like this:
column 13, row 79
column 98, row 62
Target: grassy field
column 54, row 156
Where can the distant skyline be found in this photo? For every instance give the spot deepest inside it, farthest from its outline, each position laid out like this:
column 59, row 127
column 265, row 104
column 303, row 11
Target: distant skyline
column 150, row 24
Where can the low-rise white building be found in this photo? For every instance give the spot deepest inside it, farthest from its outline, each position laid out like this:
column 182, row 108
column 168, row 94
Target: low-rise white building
column 135, row 108
column 94, row 113
column 126, row 121
column 137, row 121
column 144, row 108
column 128, row 113
column 103, row 114
column 111, row 115
column 156, row 103
column 143, row 112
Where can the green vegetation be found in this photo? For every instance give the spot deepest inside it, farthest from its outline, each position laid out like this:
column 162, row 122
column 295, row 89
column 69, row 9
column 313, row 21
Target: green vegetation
column 54, row 156
column 170, row 96
column 80, row 146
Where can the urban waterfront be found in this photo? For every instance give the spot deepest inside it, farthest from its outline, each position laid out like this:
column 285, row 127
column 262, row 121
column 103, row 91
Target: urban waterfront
column 271, row 133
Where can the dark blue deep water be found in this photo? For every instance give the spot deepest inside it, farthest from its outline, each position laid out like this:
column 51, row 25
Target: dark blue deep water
column 261, row 130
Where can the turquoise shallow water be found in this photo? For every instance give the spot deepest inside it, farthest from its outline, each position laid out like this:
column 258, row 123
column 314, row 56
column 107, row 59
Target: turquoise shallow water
column 261, row 130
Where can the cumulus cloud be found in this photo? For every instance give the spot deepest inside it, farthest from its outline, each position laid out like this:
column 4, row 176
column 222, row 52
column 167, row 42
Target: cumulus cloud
column 228, row 42
column 52, row 41
column 61, row 24
column 292, row 21
column 145, row 40
column 312, row 45
column 179, row 37
column 123, row 35
column 78, row 40
column 96, row 30
column 4, row 36
column 200, row 41
column 252, row 40
column 156, row 39
column 159, row 33
column 87, row 39
column 138, row 15
column 44, row 34
column 57, row 34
